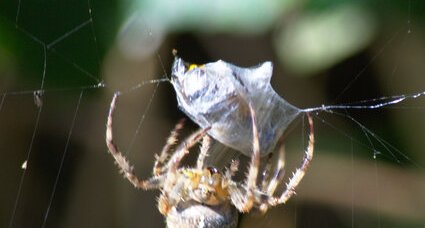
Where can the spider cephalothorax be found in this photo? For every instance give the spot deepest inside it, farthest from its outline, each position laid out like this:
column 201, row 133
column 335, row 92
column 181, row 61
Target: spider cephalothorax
column 205, row 186
column 203, row 196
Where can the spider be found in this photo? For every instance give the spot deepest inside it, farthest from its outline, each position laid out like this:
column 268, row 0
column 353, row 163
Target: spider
column 203, row 196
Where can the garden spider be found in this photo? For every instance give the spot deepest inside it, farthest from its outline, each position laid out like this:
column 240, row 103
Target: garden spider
column 202, row 196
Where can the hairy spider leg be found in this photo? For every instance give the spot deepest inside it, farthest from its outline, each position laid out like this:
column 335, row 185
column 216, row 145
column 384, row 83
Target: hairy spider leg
column 165, row 202
column 206, row 143
column 125, row 168
column 165, row 181
column 231, row 171
column 278, row 174
column 183, row 149
column 174, row 162
column 164, row 155
column 269, row 187
column 266, row 172
column 297, row 176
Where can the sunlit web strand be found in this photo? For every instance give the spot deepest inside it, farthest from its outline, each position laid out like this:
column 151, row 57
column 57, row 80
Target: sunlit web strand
column 164, row 78
column 143, row 116
column 63, row 158
column 368, row 133
column 69, row 33
column 40, row 92
column 360, row 73
column 368, row 104
column 37, row 120
column 388, row 147
column 50, row 46
column 96, row 46
column 142, row 119
column 31, row 36
column 76, row 66
column 21, row 182
column 345, row 134
column 143, row 83
column 44, row 91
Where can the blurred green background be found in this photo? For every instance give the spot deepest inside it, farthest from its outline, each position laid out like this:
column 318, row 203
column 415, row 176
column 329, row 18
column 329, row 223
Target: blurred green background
column 324, row 52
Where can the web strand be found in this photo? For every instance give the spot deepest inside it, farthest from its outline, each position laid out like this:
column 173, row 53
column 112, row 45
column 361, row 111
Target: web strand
column 64, row 153
column 27, row 160
column 142, row 119
column 368, row 104
column 69, row 33
column 368, row 134
column 96, row 45
column 38, row 96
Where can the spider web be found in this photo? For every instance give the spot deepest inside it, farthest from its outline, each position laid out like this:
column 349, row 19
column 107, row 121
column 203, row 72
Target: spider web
column 60, row 66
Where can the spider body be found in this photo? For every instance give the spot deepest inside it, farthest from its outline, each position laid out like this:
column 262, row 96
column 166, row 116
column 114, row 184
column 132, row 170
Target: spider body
column 204, row 186
column 203, row 196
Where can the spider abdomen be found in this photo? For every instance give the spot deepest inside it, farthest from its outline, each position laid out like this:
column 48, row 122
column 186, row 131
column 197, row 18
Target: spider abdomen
column 192, row 214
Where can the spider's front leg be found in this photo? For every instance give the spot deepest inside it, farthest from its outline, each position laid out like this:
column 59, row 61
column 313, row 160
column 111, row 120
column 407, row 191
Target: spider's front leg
column 206, row 143
column 160, row 159
column 183, row 148
column 172, row 188
column 124, row 166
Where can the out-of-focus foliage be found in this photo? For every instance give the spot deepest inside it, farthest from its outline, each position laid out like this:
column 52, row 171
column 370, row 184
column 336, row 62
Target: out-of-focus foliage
column 309, row 36
column 246, row 16
column 221, row 16
column 318, row 40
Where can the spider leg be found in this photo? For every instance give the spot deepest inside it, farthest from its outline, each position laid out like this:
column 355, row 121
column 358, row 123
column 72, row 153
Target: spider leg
column 279, row 172
column 184, row 147
column 171, row 196
column 181, row 151
column 125, row 168
column 244, row 199
column 172, row 188
column 172, row 139
column 234, row 166
column 164, row 205
column 170, row 192
column 278, row 175
column 266, row 172
column 300, row 172
column 206, row 143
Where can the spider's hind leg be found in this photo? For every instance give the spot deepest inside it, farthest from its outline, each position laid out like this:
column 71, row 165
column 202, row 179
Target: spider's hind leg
column 299, row 173
column 279, row 172
column 266, row 172
column 269, row 187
